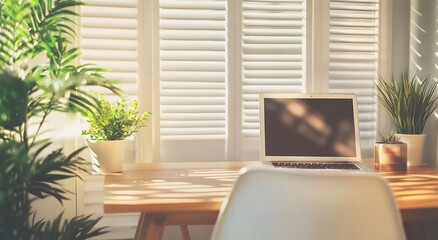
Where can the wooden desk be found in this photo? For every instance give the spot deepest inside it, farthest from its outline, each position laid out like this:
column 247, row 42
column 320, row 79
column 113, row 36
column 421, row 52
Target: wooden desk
column 192, row 193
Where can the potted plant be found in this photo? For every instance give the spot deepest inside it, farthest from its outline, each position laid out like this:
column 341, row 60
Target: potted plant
column 31, row 168
column 390, row 154
column 409, row 103
column 109, row 126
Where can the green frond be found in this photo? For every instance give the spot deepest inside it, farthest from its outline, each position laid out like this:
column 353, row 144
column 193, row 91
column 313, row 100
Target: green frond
column 389, row 139
column 408, row 101
column 50, row 169
column 79, row 227
column 35, row 29
column 114, row 121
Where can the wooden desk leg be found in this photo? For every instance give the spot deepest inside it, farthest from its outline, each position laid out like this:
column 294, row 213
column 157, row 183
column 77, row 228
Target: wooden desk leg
column 185, row 232
column 150, row 227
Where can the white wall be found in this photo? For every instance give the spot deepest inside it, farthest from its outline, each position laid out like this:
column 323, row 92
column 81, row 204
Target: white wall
column 418, row 17
column 423, row 60
column 61, row 129
column 414, row 49
column 400, row 36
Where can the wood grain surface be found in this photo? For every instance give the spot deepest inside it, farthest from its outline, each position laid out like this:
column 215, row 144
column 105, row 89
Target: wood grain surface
column 202, row 186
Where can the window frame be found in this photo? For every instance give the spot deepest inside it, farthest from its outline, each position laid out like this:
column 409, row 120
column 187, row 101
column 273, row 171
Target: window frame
column 317, row 15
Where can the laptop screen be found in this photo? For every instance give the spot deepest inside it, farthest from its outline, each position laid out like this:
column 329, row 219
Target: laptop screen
column 316, row 127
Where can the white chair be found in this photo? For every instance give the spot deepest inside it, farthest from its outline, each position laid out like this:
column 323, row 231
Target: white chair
column 275, row 204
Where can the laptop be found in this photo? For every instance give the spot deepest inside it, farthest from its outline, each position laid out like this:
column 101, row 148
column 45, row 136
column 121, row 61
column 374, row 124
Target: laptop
column 310, row 131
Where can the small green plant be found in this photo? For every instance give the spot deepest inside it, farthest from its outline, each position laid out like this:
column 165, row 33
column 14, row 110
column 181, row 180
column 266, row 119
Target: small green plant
column 389, row 139
column 408, row 101
column 114, row 121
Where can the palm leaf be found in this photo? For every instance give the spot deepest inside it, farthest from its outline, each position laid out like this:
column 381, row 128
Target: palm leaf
column 41, row 29
column 79, row 227
column 50, row 169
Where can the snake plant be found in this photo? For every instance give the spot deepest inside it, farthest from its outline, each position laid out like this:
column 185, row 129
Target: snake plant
column 409, row 101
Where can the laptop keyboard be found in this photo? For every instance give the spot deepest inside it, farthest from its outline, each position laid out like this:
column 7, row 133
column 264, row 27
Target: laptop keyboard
column 316, row 165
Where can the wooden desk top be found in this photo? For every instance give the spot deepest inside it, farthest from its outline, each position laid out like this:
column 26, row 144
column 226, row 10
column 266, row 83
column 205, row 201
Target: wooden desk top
column 162, row 187
column 416, row 192
column 173, row 187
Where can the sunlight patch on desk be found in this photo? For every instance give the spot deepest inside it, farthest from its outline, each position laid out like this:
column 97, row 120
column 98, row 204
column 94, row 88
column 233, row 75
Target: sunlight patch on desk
column 189, row 194
column 415, row 192
column 158, row 181
column 212, row 172
column 409, row 184
column 166, row 185
column 132, row 192
column 418, row 197
column 171, row 186
column 223, row 179
column 212, row 175
column 123, row 198
column 409, row 176
column 208, row 190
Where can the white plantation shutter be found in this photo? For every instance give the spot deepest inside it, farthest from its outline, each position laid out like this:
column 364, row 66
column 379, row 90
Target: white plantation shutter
column 353, row 58
column 273, row 54
column 193, row 69
column 109, row 39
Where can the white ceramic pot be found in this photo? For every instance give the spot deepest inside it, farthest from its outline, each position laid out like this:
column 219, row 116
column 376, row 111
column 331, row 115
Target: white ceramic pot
column 108, row 156
column 415, row 144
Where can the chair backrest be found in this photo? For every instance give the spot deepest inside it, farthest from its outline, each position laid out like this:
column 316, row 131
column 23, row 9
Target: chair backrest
column 275, row 204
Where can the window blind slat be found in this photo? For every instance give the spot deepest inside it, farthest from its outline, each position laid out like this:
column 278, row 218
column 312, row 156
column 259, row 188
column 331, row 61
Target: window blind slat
column 213, row 66
column 191, row 45
column 194, row 123
column 191, row 14
column 272, row 32
column 193, row 5
column 98, row 33
column 277, row 81
column 273, row 57
column 204, row 24
column 177, row 76
column 116, row 12
column 112, row 3
column 273, row 23
column 192, row 69
column 109, row 22
column 271, row 15
column 273, row 44
column 352, row 66
column 176, row 34
column 353, row 51
column 109, row 39
column 272, row 65
column 267, row 6
column 192, row 92
column 177, row 117
column 98, row 54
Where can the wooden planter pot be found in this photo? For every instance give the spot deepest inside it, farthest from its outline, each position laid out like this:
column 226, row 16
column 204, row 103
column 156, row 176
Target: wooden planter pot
column 390, row 157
